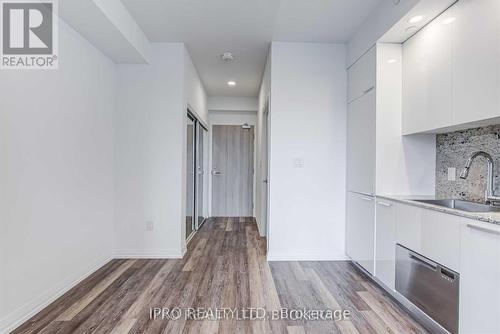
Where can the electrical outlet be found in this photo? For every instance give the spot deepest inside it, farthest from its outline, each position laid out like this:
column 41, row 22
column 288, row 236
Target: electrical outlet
column 150, row 226
column 452, row 174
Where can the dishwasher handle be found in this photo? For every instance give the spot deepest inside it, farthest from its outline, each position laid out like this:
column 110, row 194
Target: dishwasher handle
column 423, row 261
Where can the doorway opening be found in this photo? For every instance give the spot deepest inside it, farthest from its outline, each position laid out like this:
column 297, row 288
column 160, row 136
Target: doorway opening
column 195, row 175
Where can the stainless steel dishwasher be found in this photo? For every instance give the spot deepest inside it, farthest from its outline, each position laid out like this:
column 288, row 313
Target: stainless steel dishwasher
column 430, row 286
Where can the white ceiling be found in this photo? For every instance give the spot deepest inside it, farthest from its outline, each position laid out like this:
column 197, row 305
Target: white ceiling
column 246, row 28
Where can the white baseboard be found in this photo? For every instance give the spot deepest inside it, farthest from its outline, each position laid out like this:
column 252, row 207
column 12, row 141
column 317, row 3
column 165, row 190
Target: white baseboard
column 28, row 310
column 133, row 254
column 274, row 257
column 259, row 228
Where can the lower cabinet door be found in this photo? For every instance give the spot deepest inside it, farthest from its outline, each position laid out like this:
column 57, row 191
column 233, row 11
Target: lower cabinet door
column 479, row 278
column 360, row 229
column 385, row 243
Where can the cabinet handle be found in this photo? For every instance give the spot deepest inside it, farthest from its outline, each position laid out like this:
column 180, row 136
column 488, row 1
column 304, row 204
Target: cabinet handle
column 483, row 229
column 385, row 204
column 364, row 198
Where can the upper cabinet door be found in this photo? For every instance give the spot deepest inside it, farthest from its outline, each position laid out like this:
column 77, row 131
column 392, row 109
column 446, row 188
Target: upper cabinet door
column 361, row 144
column 427, row 79
column 451, row 72
column 476, row 59
column 361, row 76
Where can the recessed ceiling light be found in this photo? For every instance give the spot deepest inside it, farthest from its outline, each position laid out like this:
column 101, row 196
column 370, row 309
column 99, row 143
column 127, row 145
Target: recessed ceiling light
column 416, row 19
column 449, row 20
column 231, row 83
column 392, row 61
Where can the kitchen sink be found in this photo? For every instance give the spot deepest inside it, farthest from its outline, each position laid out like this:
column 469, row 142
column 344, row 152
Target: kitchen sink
column 461, row 205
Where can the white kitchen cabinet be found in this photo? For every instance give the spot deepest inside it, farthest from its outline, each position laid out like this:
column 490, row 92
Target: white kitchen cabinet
column 427, row 79
column 440, row 238
column 479, row 277
column 476, row 59
column 361, row 144
column 433, row 234
column 451, row 76
column 361, row 76
column 360, row 229
column 409, row 226
column 385, row 242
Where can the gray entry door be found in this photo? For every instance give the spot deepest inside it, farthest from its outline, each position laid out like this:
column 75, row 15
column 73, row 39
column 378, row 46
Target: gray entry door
column 232, row 171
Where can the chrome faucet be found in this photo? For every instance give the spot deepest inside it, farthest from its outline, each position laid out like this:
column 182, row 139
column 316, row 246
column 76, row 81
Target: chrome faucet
column 490, row 197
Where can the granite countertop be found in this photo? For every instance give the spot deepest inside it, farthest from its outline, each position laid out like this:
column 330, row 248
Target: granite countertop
column 487, row 217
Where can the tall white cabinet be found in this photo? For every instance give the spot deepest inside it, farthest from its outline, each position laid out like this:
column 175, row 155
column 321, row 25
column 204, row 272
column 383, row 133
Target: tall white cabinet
column 379, row 160
column 451, row 77
column 361, row 144
column 361, row 118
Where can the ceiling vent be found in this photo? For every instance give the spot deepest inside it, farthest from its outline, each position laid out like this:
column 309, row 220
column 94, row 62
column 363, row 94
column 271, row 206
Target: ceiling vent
column 227, row 57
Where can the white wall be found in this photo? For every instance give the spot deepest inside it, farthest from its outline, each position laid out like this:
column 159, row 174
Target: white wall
column 194, row 91
column 230, row 103
column 232, row 117
column 308, row 121
column 151, row 150
column 56, row 176
column 406, row 165
column 148, row 182
column 383, row 17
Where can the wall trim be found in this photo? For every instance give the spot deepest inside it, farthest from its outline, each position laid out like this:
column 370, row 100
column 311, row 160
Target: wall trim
column 259, row 228
column 133, row 254
column 31, row 308
column 305, row 256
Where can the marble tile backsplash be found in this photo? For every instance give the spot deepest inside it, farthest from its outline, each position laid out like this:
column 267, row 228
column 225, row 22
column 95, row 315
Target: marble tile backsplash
column 453, row 150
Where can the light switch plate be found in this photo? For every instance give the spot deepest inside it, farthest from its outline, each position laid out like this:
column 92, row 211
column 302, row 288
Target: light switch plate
column 452, row 174
column 298, row 163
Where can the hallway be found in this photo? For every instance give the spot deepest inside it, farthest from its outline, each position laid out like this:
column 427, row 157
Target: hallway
column 225, row 267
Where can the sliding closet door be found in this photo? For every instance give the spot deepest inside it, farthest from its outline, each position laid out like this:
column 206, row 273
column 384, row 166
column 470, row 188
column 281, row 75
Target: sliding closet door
column 190, row 176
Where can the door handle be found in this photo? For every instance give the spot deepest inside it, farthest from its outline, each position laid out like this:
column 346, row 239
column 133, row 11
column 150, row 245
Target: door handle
column 265, row 181
column 366, row 91
column 368, row 199
column 385, row 204
column 216, row 173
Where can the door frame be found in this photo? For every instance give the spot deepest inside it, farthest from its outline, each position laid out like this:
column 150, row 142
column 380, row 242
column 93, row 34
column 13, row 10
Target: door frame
column 266, row 183
column 197, row 122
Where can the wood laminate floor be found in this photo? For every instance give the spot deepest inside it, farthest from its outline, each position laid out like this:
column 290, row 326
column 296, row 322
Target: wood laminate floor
column 225, row 267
